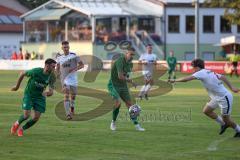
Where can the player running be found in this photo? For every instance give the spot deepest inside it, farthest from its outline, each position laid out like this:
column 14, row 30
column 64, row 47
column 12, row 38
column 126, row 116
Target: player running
column 34, row 94
column 148, row 60
column 219, row 95
column 67, row 66
column 118, row 88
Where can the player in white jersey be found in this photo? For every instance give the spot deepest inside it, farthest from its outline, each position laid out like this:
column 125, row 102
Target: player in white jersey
column 67, row 66
column 148, row 61
column 219, row 95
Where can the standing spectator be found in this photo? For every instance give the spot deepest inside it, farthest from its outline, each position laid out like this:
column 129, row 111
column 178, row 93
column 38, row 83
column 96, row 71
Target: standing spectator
column 27, row 56
column 33, row 55
column 14, row 56
column 234, row 60
column 41, row 56
column 20, row 55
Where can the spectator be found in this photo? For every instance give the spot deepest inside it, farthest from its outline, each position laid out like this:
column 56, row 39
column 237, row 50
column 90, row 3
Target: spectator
column 20, row 55
column 33, row 55
column 14, row 56
column 41, row 56
column 27, row 56
column 234, row 60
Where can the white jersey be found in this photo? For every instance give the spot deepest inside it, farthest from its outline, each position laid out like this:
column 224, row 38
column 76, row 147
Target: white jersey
column 211, row 81
column 68, row 62
column 150, row 59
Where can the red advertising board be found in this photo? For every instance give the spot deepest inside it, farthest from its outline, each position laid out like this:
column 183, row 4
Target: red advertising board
column 218, row 67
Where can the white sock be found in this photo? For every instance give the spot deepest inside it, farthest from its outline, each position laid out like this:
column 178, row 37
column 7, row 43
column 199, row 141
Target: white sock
column 220, row 120
column 72, row 103
column 147, row 88
column 67, row 106
column 142, row 90
column 237, row 128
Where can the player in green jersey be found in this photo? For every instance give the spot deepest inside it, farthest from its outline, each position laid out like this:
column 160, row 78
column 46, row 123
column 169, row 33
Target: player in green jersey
column 172, row 62
column 118, row 88
column 34, row 94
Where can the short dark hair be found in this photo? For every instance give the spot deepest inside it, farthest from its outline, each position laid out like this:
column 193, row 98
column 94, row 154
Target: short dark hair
column 50, row 61
column 149, row 45
column 198, row 63
column 65, row 42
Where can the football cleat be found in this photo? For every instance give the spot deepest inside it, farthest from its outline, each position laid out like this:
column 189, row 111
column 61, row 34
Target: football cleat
column 139, row 128
column 20, row 132
column 223, row 129
column 69, row 117
column 237, row 134
column 14, row 128
column 113, row 126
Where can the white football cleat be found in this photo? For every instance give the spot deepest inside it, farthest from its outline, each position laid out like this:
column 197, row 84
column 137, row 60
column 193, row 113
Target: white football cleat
column 139, row 128
column 113, row 126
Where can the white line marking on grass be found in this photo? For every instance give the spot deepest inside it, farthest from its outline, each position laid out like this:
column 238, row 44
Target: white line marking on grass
column 214, row 145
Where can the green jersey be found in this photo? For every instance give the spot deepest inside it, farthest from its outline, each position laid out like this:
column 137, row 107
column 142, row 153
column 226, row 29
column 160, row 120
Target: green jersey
column 120, row 66
column 172, row 61
column 38, row 82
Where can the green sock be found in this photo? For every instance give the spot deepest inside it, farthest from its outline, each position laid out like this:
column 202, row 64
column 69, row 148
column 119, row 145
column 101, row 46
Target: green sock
column 29, row 124
column 134, row 120
column 21, row 119
column 115, row 113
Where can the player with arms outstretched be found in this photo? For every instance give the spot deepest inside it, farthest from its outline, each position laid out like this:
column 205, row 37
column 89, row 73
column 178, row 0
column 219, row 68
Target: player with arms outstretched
column 219, row 95
column 34, row 94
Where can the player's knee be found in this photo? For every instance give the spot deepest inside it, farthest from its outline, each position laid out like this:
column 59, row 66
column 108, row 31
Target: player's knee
column 151, row 83
column 66, row 97
column 36, row 118
column 128, row 104
column 118, row 104
column 26, row 116
column 206, row 111
column 66, row 91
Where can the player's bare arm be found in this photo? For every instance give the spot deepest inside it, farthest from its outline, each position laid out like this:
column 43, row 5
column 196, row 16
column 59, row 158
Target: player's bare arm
column 184, row 79
column 122, row 77
column 48, row 93
column 80, row 65
column 58, row 70
column 22, row 75
column 225, row 80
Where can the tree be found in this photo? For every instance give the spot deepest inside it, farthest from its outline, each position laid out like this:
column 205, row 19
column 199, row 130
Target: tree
column 31, row 4
column 232, row 9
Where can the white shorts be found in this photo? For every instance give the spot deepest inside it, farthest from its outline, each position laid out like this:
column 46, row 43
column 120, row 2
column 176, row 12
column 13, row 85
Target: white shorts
column 224, row 103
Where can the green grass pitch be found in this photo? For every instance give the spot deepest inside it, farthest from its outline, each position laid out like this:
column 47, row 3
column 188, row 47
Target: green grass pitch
column 175, row 127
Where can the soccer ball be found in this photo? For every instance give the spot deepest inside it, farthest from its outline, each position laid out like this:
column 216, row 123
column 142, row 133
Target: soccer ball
column 134, row 111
